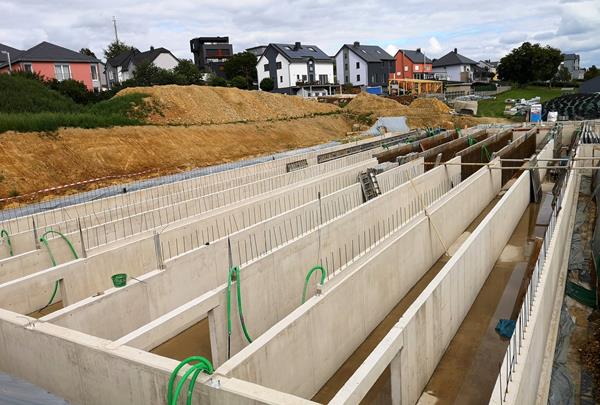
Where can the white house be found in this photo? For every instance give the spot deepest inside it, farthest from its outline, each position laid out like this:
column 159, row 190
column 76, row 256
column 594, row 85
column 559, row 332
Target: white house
column 296, row 69
column 363, row 65
column 122, row 66
column 454, row 67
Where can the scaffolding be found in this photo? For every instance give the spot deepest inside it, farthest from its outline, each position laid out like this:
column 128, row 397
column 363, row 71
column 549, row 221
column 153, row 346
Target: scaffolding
column 414, row 86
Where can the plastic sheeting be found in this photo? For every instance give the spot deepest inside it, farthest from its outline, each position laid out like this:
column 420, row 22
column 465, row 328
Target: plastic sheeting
column 389, row 124
column 562, row 389
column 139, row 185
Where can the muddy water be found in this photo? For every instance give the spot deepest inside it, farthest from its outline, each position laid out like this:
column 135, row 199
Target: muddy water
column 48, row 310
column 467, row 372
column 380, row 392
column 194, row 341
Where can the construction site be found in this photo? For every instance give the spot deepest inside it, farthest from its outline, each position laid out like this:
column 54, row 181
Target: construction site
column 417, row 267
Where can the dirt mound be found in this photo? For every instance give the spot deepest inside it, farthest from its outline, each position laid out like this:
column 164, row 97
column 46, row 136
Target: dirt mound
column 421, row 113
column 191, row 105
column 56, row 160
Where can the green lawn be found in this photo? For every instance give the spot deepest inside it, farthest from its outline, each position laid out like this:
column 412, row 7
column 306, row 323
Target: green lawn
column 495, row 108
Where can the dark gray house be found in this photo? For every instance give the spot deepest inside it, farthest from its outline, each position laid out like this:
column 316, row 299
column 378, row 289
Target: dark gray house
column 210, row 53
column 121, row 67
column 364, row 65
column 296, row 68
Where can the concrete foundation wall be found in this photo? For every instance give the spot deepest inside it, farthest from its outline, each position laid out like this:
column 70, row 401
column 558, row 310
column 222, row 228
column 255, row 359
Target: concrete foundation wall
column 85, row 277
column 530, row 379
column 430, row 323
column 329, row 327
column 193, row 275
column 83, row 369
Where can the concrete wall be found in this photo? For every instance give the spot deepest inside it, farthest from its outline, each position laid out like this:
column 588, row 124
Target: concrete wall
column 83, row 369
column 530, row 379
column 330, row 327
column 163, row 291
column 85, row 277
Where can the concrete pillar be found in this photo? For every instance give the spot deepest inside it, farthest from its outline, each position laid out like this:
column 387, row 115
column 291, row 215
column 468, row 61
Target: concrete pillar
column 396, row 381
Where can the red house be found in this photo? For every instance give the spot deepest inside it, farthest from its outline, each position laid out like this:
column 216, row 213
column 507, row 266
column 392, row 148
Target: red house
column 411, row 65
column 53, row 62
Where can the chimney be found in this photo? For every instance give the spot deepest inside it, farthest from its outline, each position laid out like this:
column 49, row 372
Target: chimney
column 297, row 46
column 356, row 44
column 151, row 48
column 418, row 49
column 455, row 50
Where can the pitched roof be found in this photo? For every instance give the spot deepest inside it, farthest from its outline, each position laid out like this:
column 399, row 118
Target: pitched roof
column 369, row 53
column 14, row 53
column 301, row 52
column 453, row 58
column 124, row 58
column 47, row 52
column 415, row 56
column 149, row 56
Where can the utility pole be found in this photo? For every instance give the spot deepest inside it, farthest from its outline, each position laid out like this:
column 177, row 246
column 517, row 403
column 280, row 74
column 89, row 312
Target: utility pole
column 115, row 26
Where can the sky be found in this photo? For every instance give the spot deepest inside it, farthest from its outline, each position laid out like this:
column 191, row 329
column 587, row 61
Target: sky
column 479, row 30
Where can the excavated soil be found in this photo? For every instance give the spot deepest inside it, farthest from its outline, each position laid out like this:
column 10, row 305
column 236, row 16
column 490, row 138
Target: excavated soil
column 35, row 161
column 421, row 113
column 189, row 105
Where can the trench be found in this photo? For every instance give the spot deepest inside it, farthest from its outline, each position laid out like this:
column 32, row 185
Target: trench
column 468, row 370
column 380, row 392
column 46, row 311
column 194, row 341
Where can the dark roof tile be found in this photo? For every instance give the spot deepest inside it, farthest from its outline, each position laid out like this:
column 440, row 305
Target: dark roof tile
column 453, row 58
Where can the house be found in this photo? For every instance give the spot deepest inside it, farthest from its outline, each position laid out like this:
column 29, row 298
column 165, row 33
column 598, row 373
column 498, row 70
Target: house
column 411, row 65
column 297, row 69
column 53, row 62
column 210, row 53
column 454, row 67
column 485, row 71
column 364, row 65
column 590, row 86
column 571, row 62
column 121, row 67
column 257, row 50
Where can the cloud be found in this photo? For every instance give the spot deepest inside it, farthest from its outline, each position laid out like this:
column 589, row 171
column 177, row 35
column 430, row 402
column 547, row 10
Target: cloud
column 478, row 30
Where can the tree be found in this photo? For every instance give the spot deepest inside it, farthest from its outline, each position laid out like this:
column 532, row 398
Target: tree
column 563, row 75
column 217, row 81
column 88, row 52
column 148, row 74
column 529, row 63
column 115, row 48
column 187, row 72
column 239, row 81
column 267, row 84
column 241, row 64
column 591, row 73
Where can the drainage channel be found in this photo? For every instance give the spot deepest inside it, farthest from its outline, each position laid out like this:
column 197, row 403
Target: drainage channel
column 467, row 372
column 380, row 392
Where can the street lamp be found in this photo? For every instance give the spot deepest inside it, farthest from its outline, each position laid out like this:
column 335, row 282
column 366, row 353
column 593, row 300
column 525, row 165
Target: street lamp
column 9, row 65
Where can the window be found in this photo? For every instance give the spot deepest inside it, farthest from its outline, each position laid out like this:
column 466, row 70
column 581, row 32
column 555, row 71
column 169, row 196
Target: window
column 62, row 72
column 94, row 72
column 288, row 48
column 280, row 79
column 27, row 67
column 345, row 66
column 416, row 67
column 278, row 65
column 304, row 77
column 297, row 77
column 267, row 67
column 358, row 78
column 347, row 80
column 365, row 52
column 406, row 68
column 379, row 52
column 312, row 49
column 358, row 65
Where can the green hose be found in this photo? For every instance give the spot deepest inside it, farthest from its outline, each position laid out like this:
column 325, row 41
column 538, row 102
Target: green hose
column 4, row 234
column 203, row 365
column 44, row 240
column 308, row 275
column 235, row 271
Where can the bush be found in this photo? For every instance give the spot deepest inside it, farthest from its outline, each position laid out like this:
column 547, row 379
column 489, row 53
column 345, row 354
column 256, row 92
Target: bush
column 217, row 81
column 28, row 93
column 240, row 82
column 73, row 89
column 267, row 84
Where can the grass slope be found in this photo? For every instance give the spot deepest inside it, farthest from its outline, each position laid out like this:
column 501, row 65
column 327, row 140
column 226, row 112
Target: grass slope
column 495, row 108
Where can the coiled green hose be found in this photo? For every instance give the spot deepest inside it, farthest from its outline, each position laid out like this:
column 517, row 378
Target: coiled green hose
column 203, row 365
column 44, row 240
column 4, row 234
column 308, row 275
